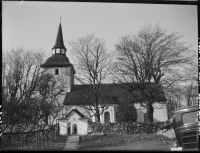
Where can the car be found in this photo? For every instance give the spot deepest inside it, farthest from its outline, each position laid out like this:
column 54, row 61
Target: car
column 185, row 125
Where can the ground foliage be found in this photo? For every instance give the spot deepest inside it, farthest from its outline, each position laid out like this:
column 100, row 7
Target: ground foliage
column 54, row 143
column 125, row 142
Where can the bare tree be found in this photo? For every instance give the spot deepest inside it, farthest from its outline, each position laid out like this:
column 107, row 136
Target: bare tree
column 191, row 89
column 183, row 92
column 24, row 102
column 93, row 69
column 152, row 55
column 174, row 98
column 21, row 71
column 50, row 89
column 191, row 94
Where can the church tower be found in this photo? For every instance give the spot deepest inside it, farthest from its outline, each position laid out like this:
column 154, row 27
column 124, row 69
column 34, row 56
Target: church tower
column 58, row 64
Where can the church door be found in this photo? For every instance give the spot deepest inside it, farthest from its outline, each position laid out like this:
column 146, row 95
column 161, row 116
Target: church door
column 69, row 128
column 75, row 129
column 106, row 117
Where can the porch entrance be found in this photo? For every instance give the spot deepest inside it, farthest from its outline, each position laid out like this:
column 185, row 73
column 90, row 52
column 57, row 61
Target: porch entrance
column 74, row 129
column 69, row 128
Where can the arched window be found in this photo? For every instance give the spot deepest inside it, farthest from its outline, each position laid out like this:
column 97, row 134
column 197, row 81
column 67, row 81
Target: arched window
column 106, row 117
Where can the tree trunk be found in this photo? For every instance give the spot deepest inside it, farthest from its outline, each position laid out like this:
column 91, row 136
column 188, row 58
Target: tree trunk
column 98, row 116
column 46, row 120
column 150, row 110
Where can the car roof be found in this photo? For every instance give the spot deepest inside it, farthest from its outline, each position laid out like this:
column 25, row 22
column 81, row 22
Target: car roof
column 187, row 107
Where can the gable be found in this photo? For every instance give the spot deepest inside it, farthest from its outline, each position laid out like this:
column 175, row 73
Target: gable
column 74, row 113
column 73, row 117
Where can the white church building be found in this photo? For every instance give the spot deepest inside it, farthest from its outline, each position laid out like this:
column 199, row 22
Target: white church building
column 75, row 118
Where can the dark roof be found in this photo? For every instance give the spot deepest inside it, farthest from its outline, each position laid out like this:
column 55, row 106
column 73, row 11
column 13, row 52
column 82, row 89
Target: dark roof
column 59, row 39
column 109, row 94
column 75, row 110
column 57, row 60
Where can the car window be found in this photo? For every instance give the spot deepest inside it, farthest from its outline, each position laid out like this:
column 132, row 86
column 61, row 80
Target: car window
column 190, row 117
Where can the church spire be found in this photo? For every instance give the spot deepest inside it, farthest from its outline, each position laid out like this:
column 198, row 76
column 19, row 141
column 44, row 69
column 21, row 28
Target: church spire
column 58, row 58
column 59, row 39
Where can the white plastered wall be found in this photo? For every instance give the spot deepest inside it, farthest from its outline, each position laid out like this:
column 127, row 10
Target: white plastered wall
column 81, row 124
column 111, row 110
column 63, row 127
column 159, row 114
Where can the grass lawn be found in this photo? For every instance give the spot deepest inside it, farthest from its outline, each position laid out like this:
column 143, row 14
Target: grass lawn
column 57, row 145
column 151, row 142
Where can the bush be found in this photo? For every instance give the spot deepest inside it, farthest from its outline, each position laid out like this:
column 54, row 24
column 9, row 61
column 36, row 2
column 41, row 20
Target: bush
column 126, row 112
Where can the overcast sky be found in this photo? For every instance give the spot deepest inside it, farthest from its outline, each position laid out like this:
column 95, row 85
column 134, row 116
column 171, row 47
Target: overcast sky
column 34, row 25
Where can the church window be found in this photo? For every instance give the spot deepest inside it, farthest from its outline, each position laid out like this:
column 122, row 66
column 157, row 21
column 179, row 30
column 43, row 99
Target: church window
column 62, row 51
column 56, row 71
column 57, row 50
column 106, row 117
column 54, row 50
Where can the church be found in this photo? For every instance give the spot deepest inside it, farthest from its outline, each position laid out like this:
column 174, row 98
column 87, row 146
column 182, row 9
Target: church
column 75, row 118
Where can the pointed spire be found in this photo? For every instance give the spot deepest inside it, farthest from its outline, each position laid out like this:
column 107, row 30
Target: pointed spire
column 59, row 40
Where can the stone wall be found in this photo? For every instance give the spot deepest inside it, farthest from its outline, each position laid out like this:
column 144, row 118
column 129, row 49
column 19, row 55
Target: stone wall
column 128, row 128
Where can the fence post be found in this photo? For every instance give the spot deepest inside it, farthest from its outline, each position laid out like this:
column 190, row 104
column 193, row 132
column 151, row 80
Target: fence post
column 36, row 140
column 55, row 129
column 21, row 141
column 42, row 139
column 9, row 139
column 47, row 138
column 26, row 138
column 51, row 131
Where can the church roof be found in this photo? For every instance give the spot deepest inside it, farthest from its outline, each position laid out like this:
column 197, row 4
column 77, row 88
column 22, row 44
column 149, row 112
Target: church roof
column 59, row 39
column 76, row 111
column 57, row 60
column 109, row 94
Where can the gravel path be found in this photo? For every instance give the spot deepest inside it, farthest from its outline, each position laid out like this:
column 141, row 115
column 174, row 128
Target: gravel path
column 72, row 142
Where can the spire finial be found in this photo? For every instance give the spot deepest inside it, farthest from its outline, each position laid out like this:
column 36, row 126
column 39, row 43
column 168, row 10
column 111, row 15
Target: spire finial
column 60, row 18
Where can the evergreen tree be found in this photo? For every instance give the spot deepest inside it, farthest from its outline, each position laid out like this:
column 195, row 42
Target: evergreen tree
column 126, row 112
